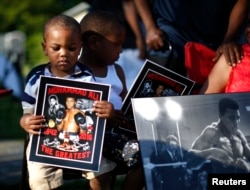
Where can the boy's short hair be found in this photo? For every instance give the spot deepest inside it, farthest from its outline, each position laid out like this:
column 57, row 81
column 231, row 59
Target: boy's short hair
column 63, row 21
column 100, row 22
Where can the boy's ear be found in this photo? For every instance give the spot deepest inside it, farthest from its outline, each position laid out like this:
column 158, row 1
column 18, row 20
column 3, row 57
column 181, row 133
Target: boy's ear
column 44, row 48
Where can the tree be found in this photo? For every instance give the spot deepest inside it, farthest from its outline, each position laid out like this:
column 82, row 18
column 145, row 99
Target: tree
column 29, row 17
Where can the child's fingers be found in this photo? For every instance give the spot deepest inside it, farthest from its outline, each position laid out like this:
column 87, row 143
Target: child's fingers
column 34, row 123
column 34, row 129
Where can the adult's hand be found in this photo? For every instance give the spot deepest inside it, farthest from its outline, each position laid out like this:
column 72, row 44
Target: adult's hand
column 232, row 51
column 154, row 38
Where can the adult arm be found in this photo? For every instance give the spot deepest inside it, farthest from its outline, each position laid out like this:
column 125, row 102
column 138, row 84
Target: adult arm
column 217, row 80
column 154, row 36
column 230, row 48
column 131, row 16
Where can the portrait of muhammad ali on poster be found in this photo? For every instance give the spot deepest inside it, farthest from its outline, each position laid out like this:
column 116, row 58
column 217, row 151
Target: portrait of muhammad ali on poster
column 73, row 135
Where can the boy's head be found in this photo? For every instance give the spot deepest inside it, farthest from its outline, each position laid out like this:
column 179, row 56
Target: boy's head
column 62, row 44
column 103, row 34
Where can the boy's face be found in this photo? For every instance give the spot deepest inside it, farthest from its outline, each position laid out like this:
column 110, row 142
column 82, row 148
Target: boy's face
column 62, row 46
column 111, row 46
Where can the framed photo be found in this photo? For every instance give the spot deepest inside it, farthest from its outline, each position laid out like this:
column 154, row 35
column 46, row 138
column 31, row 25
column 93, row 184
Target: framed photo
column 73, row 134
column 187, row 140
column 153, row 80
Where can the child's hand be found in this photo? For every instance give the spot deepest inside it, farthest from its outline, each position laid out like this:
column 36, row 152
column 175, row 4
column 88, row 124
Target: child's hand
column 104, row 109
column 32, row 123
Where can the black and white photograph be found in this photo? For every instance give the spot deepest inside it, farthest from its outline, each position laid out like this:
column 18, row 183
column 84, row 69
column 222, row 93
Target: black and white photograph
column 183, row 139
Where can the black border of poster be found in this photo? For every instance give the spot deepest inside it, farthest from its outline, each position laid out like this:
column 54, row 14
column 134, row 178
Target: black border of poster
column 85, row 153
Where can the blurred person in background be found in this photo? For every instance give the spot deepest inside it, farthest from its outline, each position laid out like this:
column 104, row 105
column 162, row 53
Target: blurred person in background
column 10, row 78
column 216, row 24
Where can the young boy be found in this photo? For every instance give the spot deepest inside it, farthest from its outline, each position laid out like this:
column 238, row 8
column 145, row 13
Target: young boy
column 62, row 44
column 103, row 35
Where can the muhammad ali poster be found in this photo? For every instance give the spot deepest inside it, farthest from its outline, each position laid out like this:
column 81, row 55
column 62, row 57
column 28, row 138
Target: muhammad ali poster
column 194, row 141
column 153, row 80
column 73, row 134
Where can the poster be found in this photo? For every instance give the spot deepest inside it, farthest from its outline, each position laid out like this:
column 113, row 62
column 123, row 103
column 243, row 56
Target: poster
column 73, row 134
column 185, row 141
column 153, row 80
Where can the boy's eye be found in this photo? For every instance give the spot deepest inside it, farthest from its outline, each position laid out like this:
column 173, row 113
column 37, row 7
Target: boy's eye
column 72, row 48
column 55, row 48
column 69, row 48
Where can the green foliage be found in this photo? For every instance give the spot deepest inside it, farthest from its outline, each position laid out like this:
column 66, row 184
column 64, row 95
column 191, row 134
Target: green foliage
column 34, row 52
column 29, row 17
